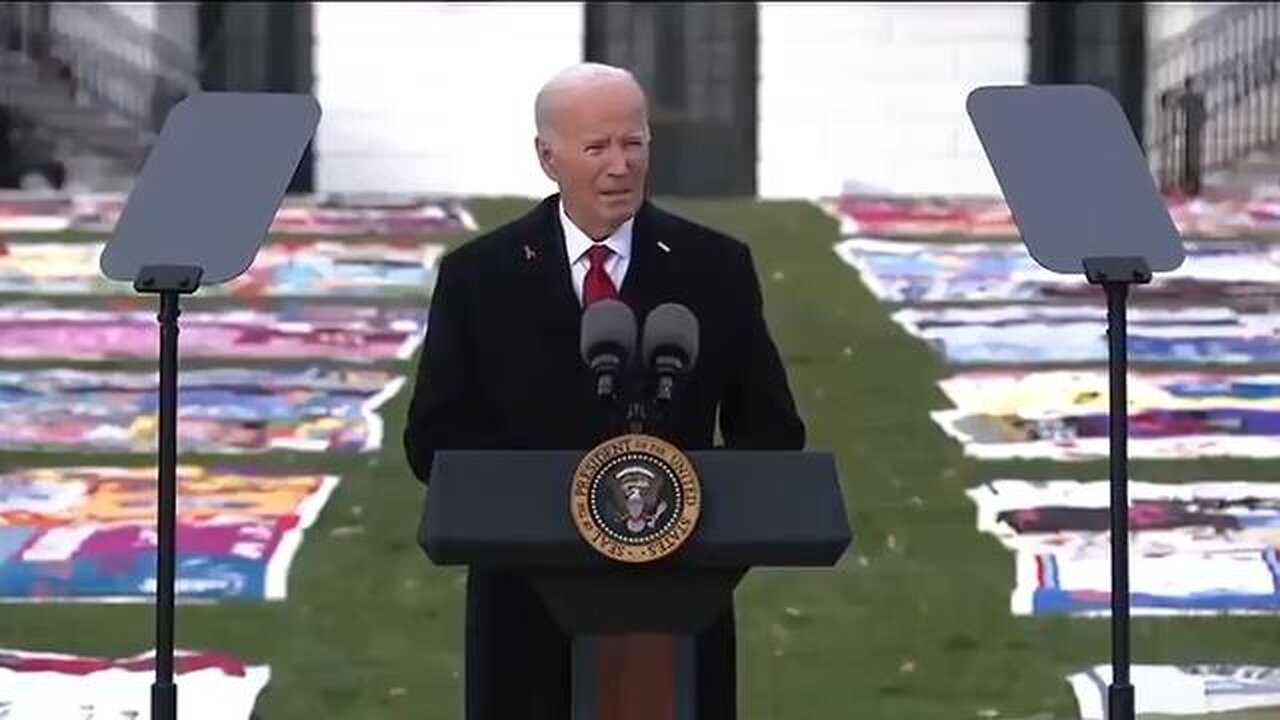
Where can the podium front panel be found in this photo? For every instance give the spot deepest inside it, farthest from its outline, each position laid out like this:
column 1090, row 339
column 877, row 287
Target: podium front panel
column 510, row 509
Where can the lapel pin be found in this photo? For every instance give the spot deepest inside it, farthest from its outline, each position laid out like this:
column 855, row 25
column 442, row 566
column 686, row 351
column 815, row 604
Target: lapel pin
column 529, row 254
column 664, row 247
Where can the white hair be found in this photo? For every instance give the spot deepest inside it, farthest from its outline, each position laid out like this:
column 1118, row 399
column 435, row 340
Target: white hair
column 574, row 76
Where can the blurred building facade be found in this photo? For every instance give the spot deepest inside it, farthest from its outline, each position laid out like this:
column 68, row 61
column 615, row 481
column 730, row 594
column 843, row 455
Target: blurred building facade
column 84, row 86
column 776, row 99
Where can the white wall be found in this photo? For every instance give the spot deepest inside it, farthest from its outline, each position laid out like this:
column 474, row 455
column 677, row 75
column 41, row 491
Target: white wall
column 1167, row 19
column 871, row 95
column 437, row 97
column 434, row 97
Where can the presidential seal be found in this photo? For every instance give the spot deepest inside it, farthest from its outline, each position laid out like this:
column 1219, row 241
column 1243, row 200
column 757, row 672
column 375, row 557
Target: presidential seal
column 635, row 498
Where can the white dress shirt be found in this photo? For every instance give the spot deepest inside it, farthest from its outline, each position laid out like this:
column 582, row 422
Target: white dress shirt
column 577, row 243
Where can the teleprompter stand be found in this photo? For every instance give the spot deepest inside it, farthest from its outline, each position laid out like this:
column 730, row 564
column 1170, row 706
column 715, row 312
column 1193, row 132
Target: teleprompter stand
column 1084, row 200
column 197, row 215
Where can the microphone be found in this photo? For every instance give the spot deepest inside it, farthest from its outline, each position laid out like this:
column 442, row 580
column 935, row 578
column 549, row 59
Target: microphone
column 670, row 345
column 607, row 342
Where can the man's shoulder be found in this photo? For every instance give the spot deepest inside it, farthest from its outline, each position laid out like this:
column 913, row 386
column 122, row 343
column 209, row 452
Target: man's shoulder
column 499, row 243
column 694, row 238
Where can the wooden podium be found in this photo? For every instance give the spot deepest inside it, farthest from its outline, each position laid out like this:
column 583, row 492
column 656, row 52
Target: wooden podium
column 632, row 623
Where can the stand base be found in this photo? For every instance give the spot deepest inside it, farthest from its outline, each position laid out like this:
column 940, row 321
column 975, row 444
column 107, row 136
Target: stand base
column 1120, row 702
column 164, row 701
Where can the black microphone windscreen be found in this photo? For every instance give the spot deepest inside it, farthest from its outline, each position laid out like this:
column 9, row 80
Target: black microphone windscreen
column 671, row 327
column 607, row 325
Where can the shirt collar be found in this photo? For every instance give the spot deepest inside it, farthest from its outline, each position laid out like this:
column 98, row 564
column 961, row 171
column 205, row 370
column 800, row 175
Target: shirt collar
column 577, row 243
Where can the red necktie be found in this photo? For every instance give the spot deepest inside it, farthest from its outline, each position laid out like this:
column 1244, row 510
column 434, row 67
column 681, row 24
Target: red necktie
column 597, row 285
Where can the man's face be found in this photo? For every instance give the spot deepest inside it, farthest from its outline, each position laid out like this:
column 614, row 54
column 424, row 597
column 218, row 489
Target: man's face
column 597, row 150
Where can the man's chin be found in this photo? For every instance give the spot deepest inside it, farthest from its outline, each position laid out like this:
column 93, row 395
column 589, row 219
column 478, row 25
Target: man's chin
column 619, row 206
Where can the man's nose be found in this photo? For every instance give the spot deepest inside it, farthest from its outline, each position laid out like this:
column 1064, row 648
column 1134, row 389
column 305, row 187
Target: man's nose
column 617, row 163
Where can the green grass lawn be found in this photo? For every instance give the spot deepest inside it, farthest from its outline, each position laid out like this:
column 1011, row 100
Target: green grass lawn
column 914, row 623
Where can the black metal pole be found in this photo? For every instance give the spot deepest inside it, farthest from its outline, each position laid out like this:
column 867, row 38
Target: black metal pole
column 1120, row 696
column 164, row 694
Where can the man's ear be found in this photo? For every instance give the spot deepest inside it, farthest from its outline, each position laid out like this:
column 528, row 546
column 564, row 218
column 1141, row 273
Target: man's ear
column 545, row 158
